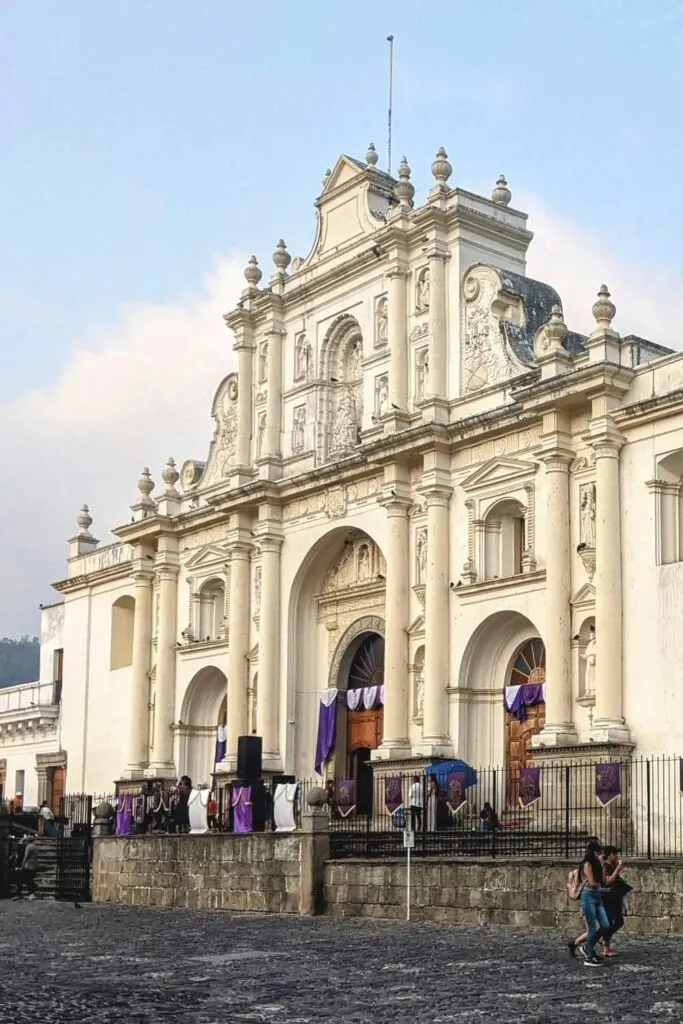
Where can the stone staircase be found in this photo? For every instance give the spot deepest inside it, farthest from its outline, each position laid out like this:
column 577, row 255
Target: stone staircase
column 47, row 875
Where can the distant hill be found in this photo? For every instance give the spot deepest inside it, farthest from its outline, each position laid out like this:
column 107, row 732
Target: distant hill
column 19, row 660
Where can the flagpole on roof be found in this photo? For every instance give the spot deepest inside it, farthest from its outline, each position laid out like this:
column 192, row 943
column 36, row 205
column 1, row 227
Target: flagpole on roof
column 390, row 40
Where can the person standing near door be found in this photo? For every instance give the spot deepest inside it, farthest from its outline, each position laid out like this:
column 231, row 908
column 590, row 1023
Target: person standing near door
column 416, row 803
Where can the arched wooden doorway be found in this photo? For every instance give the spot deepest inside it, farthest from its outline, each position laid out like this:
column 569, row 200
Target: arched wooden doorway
column 528, row 668
column 364, row 727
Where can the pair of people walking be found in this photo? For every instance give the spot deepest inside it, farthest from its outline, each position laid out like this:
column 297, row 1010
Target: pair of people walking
column 602, row 893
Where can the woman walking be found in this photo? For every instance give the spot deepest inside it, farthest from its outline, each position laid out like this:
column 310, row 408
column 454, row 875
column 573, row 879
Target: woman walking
column 592, row 874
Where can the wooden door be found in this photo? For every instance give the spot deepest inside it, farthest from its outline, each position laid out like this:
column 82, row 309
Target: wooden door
column 529, row 668
column 364, row 729
column 56, row 790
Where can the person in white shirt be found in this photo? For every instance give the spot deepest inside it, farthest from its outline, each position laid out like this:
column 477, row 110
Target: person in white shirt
column 49, row 827
column 416, row 801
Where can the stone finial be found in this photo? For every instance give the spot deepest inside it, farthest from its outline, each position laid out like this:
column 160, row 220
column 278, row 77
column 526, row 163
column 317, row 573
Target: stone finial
column 604, row 309
column 170, row 476
column 281, row 259
column 371, row 157
column 501, row 194
column 556, row 328
column 84, row 520
column 328, row 175
column 253, row 273
column 145, row 487
column 404, row 188
column 441, row 168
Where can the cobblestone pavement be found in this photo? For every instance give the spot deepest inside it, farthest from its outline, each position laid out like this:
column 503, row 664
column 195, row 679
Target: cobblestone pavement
column 105, row 964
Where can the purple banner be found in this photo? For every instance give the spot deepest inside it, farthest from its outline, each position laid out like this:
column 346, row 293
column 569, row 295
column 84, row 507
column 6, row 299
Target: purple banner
column 346, row 797
column 327, row 734
column 529, row 786
column 456, row 791
column 393, row 794
column 243, row 821
column 607, row 782
column 124, row 815
column 680, row 772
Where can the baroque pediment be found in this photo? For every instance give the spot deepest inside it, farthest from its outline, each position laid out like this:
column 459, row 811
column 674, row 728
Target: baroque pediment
column 497, row 471
column 207, row 557
column 417, row 627
column 221, row 457
column 584, row 596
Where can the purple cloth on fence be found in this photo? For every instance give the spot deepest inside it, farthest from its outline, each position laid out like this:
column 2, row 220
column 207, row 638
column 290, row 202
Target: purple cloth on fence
column 124, row 815
column 346, row 797
column 393, row 794
column 529, row 786
column 243, row 819
column 607, row 782
column 518, row 699
column 327, row 734
column 456, row 791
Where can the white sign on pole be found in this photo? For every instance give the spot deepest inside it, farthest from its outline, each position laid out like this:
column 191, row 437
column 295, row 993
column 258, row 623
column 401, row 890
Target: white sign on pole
column 408, row 845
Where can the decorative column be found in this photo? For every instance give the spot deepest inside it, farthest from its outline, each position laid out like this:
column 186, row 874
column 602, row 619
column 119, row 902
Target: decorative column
column 244, row 348
column 608, row 724
column 164, row 705
column 437, row 326
column 395, row 742
column 273, row 435
column 435, row 741
column 268, row 709
column 238, row 674
column 138, row 728
column 398, row 339
column 558, row 730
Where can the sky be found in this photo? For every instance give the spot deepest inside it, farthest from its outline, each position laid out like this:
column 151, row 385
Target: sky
column 147, row 148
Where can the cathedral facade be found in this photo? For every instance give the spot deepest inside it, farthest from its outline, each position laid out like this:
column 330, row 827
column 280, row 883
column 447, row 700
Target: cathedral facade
column 423, row 492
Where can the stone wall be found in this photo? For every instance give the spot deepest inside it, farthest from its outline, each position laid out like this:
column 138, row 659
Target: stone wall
column 280, row 874
column 496, row 892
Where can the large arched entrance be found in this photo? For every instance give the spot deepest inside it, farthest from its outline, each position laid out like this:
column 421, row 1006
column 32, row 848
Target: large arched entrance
column 527, row 671
column 364, row 725
column 203, row 710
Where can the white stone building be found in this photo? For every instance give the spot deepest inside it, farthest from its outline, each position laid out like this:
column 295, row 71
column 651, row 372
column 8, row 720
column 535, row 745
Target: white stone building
column 419, row 476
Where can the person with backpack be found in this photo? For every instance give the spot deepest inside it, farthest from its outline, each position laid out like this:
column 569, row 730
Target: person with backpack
column 614, row 892
column 587, row 884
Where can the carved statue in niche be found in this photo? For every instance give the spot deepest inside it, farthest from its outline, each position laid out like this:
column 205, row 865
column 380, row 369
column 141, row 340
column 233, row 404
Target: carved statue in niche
column 260, row 434
column 263, row 362
column 422, row 375
column 382, row 395
column 422, row 292
column 299, row 428
column 363, row 563
column 302, row 357
column 587, row 504
column 345, row 424
column 419, row 693
column 353, row 369
column 381, row 322
column 252, row 706
column 258, row 572
column 588, row 656
column 421, row 555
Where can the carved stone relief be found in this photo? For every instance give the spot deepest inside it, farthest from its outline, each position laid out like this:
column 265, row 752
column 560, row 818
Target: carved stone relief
column 302, row 357
column 422, row 291
column 341, row 639
column 263, row 362
column 517, row 441
column 381, row 321
column 360, row 562
column 421, row 555
column 223, row 446
column 587, row 507
column 421, row 374
column 381, row 395
column 486, row 359
column 260, row 434
column 335, row 503
column 299, row 428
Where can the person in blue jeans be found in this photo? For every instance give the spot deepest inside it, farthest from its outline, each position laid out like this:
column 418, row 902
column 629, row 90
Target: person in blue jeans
column 593, row 877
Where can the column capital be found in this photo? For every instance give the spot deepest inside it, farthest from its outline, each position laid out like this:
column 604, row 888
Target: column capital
column 270, row 542
column 168, row 573
column 663, row 487
column 395, row 504
column 143, row 577
column 398, row 270
column 239, row 549
column 436, row 493
column 556, row 460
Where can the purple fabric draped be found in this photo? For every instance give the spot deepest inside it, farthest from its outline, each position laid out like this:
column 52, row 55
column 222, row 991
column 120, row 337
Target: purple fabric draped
column 524, row 697
column 346, row 797
column 327, row 735
column 243, row 821
column 529, row 786
column 221, row 744
column 456, row 791
column 393, row 794
column 124, row 815
column 607, row 782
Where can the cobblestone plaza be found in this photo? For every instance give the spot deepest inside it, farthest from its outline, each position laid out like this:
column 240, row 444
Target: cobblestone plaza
column 103, row 964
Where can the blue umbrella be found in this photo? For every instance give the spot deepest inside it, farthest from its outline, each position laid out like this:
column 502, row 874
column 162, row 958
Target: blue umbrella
column 442, row 769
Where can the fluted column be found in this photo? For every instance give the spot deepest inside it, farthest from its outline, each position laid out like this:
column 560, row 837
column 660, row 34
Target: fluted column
column 398, row 339
column 435, row 740
column 558, row 729
column 244, row 349
column 608, row 724
column 272, row 440
column 268, row 710
column 437, row 326
column 395, row 742
column 138, row 726
column 238, row 648
column 164, row 706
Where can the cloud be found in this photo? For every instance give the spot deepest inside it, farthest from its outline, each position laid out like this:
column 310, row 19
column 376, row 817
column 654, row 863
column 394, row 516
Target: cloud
column 131, row 394
column 576, row 262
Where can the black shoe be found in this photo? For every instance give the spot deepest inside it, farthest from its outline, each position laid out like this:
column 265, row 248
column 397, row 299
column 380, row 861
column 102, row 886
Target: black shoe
column 572, row 948
column 592, row 961
column 583, row 953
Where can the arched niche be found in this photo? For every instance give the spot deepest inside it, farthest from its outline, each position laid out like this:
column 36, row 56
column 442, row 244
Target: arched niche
column 122, row 626
column 203, row 710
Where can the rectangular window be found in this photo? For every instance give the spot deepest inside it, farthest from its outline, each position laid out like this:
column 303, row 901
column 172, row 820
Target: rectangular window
column 58, row 665
column 19, row 778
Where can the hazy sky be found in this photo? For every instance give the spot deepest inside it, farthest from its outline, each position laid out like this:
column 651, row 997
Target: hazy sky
column 148, row 148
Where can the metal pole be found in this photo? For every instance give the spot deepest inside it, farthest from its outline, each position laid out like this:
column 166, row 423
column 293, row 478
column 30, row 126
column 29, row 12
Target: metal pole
column 390, row 40
column 408, row 888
